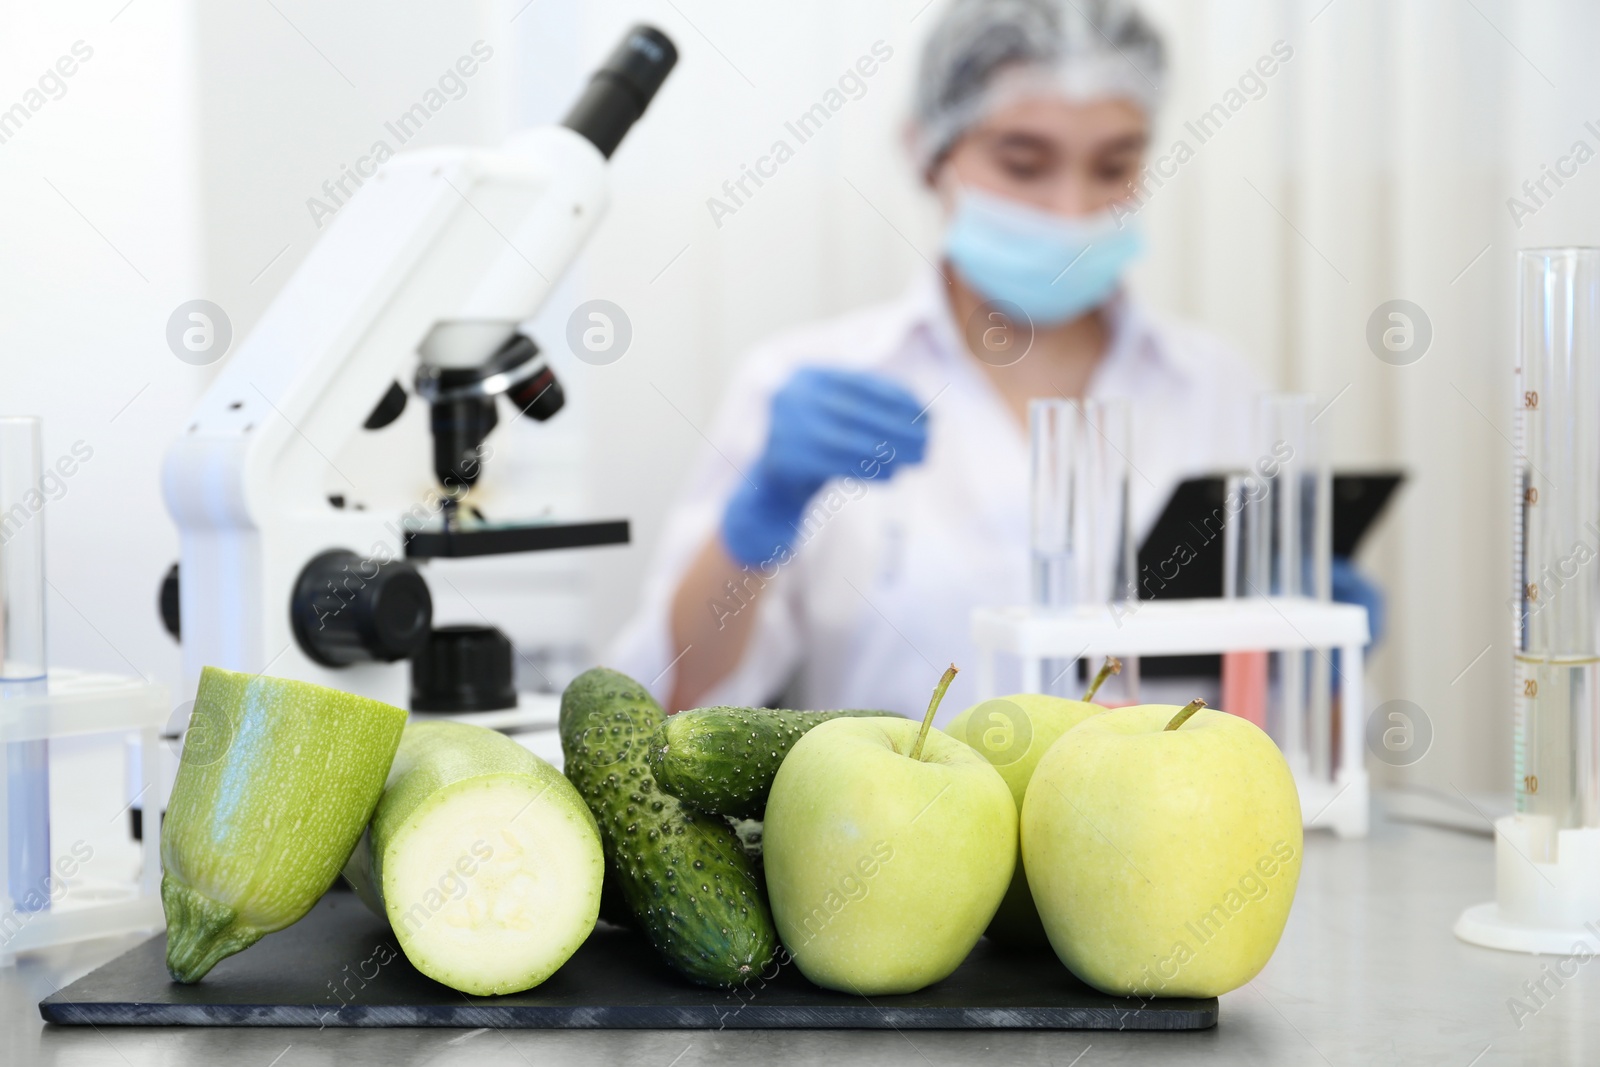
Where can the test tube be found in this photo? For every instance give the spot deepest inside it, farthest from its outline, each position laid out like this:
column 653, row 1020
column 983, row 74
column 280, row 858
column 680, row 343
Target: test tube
column 1290, row 557
column 1244, row 674
column 1318, row 524
column 1556, row 521
column 1081, row 529
column 22, row 660
column 1105, row 475
column 1054, row 537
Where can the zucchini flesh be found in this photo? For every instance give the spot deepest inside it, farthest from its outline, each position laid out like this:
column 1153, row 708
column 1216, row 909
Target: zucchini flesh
column 276, row 780
column 483, row 859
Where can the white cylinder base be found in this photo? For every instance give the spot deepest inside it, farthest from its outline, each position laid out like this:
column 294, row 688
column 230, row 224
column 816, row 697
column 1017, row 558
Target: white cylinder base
column 1541, row 905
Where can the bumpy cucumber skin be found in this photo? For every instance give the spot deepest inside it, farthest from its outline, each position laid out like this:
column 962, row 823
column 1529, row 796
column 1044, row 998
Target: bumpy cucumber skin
column 723, row 760
column 435, row 757
column 685, row 877
column 277, row 780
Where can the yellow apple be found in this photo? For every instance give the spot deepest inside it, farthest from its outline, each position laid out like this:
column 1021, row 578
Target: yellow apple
column 1163, row 858
column 1013, row 733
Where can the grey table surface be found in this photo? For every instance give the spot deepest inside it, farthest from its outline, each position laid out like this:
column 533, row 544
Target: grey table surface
column 1367, row 973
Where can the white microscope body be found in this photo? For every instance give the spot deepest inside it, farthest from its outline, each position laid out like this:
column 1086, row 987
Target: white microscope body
column 434, row 261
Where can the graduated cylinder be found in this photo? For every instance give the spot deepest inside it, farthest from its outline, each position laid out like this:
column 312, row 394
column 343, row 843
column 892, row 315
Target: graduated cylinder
column 1557, row 544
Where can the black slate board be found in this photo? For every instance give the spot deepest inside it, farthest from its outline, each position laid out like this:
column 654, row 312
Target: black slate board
column 340, row 966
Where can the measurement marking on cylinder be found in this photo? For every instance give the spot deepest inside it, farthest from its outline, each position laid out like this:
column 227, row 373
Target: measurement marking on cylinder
column 1557, row 696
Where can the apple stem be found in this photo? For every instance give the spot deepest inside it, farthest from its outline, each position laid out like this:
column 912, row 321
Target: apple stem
column 1183, row 716
column 1111, row 666
column 933, row 706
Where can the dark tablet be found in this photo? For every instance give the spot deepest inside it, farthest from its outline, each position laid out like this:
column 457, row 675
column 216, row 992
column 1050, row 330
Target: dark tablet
column 1358, row 500
column 1182, row 556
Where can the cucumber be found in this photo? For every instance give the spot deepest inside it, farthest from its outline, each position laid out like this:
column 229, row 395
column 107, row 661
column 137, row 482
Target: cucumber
column 723, row 760
column 683, row 874
column 483, row 859
column 276, row 781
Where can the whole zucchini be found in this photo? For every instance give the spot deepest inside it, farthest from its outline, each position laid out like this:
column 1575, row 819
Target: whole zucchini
column 276, row 781
column 683, row 874
column 483, row 859
column 723, row 760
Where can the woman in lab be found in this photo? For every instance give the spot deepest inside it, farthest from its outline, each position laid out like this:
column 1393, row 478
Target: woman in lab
column 867, row 481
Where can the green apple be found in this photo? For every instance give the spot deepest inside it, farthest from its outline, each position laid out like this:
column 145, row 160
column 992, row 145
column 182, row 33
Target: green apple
column 1163, row 848
column 1013, row 733
column 887, row 849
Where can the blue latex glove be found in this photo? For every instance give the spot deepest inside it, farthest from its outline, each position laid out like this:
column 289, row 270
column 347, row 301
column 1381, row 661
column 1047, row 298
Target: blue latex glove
column 1350, row 586
column 825, row 424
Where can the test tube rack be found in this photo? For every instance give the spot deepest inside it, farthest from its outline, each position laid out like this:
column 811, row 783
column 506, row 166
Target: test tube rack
column 1338, row 799
column 79, row 703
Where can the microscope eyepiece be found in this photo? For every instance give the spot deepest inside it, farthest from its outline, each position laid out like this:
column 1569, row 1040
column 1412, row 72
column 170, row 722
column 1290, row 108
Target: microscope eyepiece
column 623, row 87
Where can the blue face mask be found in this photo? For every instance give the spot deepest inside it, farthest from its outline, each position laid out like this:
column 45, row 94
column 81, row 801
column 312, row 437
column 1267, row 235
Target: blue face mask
column 1052, row 268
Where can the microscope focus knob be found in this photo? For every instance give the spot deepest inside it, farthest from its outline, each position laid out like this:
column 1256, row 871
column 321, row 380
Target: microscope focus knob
column 349, row 609
column 464, row 668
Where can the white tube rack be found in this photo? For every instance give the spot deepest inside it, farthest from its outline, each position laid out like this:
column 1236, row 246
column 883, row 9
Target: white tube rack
column 1338, row 801
column 79, row 703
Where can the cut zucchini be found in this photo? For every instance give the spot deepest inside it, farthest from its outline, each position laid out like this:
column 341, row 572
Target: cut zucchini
column 483, row 859
column 276, row 780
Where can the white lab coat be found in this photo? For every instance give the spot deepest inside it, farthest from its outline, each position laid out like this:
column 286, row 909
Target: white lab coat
column 878, row 597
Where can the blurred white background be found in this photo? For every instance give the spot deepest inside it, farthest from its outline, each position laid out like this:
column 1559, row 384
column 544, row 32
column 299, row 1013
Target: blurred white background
column 178, row 159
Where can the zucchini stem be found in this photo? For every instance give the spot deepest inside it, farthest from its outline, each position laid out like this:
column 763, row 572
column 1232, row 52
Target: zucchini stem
column 200, row 931
column 1111, row 666
column 1185, row 714
column 933, row 706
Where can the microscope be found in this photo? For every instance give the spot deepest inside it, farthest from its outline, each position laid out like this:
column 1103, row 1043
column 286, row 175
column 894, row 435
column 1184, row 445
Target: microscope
column 422, row 277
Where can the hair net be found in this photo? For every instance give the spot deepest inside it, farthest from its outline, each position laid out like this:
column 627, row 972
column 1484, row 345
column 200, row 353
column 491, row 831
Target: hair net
column 983, row 53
